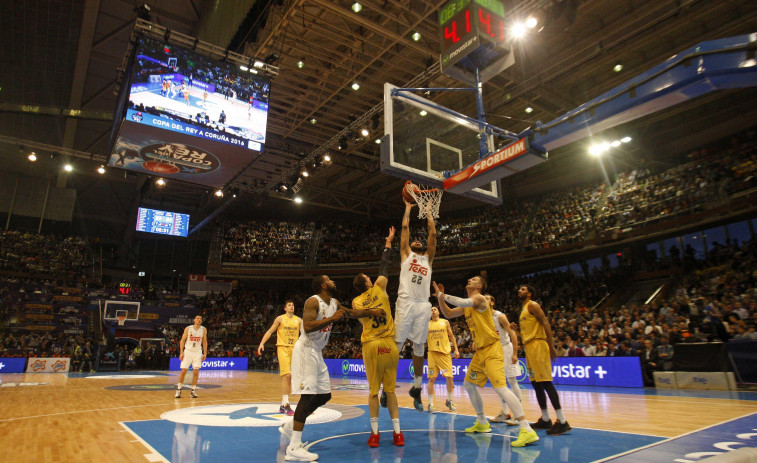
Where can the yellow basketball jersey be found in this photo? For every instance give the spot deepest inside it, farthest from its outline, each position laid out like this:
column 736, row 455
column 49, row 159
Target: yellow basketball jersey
column 379, row 326
column 530, row 328
column 481, row 325
column 438, row 341
column 289, row 330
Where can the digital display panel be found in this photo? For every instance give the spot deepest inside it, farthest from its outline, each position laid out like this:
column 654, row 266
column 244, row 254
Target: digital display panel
column 188, row 117
column 162, row 222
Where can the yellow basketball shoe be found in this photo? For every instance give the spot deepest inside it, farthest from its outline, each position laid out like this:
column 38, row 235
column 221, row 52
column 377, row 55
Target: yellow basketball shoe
column 525, row 437
column 478, row 427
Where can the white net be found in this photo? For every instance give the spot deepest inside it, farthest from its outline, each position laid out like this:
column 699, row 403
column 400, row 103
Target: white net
column 428, row 200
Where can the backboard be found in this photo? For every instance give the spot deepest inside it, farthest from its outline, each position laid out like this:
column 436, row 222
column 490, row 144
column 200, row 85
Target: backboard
column 423, row 139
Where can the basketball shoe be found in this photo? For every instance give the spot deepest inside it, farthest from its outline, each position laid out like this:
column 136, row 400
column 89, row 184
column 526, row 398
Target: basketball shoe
column 415, row 393
column 398, row 438
column 451, row 405
column 300, row 453
column 373, row 440
column 479, row 427
column 193, row 394
column 286, row 409
column 525, row 437
column 559, row 428
column 178, row 394
column 541, row 423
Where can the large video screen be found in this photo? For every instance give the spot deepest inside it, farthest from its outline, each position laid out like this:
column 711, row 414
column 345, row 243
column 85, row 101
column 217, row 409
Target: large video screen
column 189, row 117
column 162, row 222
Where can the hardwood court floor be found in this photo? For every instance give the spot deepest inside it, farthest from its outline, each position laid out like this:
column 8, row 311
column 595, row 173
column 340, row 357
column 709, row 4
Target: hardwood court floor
column 75, row 417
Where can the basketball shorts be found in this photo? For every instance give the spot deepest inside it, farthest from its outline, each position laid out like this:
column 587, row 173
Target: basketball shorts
column 193, row 358
column 439, row 362
column 411, row 321
column 511, row 369
column 487, row 363
column 380, row 357
column 284, row 354
column 309, row 372
column 537, row 361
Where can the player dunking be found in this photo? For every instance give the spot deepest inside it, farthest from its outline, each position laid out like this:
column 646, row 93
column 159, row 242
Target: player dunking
column 439, row 357
column 413, row 309
column 287, row 328
column 193, row 348
column 310, row 376
column 380, row 353
column 540, row 349
column 509, row 341
column 488, row 362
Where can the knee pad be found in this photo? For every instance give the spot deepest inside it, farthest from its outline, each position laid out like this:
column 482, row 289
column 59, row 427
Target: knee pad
column 418, row 349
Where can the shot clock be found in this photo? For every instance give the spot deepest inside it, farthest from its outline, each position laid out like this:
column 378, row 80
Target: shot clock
column 473, row 37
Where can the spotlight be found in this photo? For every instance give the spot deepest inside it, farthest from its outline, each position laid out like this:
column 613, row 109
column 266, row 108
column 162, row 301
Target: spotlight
column 364, row 132
column 615, row 144
column 625, row 139
column 327, row 158
column 378, row 141
column 219, row 193
column 160, row 182
column 313, row 121
column 423, row 112
column 301, row 64
column 305, row 173
column 355, row 86
column 356, row 7
column 244, row 68
column 416, row 36
column 284, row 187
column 101, row 170
column 68, row 167
column 298, row 200
column 32, row 156
column 618, row 67
column 258, row 64
column 529, row 110
column 518, row 30
column 531, row 22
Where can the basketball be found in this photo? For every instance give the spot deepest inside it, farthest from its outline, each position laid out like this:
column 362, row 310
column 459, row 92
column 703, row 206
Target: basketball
column 160, row 167
column 409, row 186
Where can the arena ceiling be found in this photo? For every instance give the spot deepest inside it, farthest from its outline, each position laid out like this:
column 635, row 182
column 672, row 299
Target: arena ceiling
column 61, row 55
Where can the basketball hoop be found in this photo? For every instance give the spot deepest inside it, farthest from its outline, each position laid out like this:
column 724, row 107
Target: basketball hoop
column 428, row 199
column 121, row 319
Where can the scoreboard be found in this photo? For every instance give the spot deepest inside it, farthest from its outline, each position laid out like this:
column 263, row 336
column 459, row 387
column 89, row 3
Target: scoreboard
column 162, row 222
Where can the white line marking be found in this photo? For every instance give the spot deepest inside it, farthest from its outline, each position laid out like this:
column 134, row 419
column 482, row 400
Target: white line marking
column 671, row 438
column 155, row 455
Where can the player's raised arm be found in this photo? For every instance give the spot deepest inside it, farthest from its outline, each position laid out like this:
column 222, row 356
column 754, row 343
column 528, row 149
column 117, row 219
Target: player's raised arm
column 449, row 313
column 386, row 259
column 269, row 333
column 431, row 241
column 405, row 232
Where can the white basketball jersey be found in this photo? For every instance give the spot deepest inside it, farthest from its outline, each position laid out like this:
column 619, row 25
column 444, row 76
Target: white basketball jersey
column 194, row 339
column 504, row 337
column 415, row 278
column 318, row 339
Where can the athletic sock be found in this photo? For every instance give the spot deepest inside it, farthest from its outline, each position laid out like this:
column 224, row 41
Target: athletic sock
column 284, row 399
column 418, row 381
column 296, row 440
column 545, row 415
column 396, row 425
column 431, row 400
column 524, row 425
column 560, row 416
column 178, row 386
column 374, row 425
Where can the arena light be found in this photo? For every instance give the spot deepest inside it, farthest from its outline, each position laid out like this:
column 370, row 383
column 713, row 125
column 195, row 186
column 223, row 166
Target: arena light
column 305, row 173
column 518, row 30
column 301, row 64
column 599, row 148
column 243, row 67
column 355, row 86
column 32, row 156
column 357, row 7
column 625, row 139
column 529, row 110
column 364, row 132
column 531, row 22
column 219, row 193
column 313, row 120
column 101, row 170
column 423, row 112
column 68, row 167
column 298, row 200
column 618, row 67
column 615, row 143
column 378, row 141
column 416, row 36
column 327, row 158
column 258, row 64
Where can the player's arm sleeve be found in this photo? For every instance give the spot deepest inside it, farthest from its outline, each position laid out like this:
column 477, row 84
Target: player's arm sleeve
column 458, row 301
column 386, row 259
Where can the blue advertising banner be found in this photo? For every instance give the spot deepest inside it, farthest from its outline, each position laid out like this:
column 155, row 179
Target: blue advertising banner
column 580, row 371
column 214, row 363
column 12, row 365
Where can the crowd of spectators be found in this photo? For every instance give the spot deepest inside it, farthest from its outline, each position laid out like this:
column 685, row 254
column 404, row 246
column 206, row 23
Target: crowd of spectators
column 570, row 216
column 38, row 253
column 266, row 241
